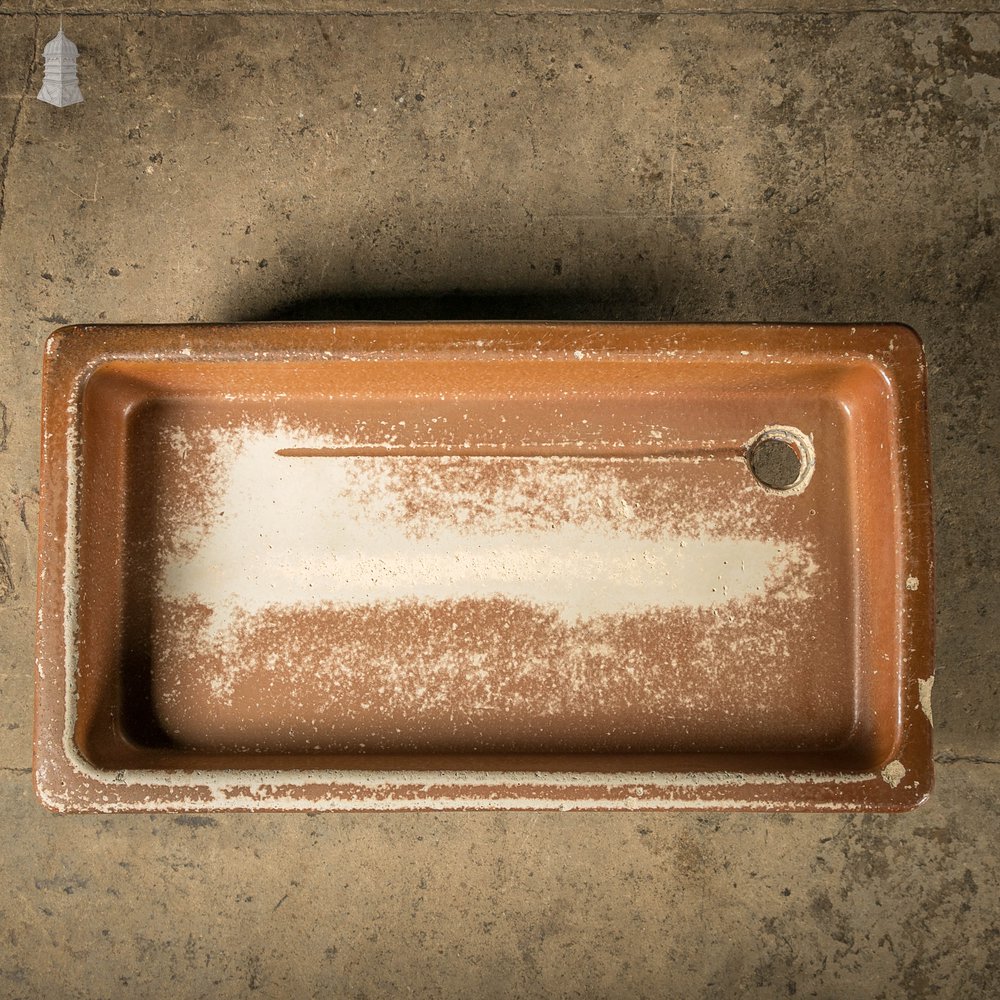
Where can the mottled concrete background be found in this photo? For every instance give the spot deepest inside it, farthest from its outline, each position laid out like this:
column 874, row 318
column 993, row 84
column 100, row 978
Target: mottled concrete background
column 714, row 166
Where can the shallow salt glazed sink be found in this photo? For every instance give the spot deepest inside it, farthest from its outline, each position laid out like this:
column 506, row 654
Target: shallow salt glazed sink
column 406, row 566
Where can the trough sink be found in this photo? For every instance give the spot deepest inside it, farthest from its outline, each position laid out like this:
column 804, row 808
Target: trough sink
column 484, row 566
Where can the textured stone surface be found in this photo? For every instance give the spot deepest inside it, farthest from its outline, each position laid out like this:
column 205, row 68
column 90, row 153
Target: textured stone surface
column 569, row 8
column 477, row 905
column 797, row 167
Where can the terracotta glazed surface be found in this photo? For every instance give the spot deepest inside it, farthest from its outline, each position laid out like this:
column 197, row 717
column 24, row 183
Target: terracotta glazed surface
column 471, row 566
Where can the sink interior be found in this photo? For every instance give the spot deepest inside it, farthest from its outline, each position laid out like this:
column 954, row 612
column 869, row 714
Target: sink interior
column 493, row 563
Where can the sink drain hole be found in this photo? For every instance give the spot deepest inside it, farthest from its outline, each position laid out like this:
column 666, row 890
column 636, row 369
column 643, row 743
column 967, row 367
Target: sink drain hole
column 781, row 459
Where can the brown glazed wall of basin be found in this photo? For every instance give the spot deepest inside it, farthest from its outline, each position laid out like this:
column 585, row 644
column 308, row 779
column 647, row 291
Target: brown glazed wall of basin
column 433, row 566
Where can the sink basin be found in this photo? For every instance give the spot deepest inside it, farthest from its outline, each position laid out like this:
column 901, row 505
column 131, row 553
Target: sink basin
column 454, row 566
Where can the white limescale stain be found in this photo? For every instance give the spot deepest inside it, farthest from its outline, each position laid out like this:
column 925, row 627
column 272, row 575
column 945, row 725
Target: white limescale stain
column 294, row 531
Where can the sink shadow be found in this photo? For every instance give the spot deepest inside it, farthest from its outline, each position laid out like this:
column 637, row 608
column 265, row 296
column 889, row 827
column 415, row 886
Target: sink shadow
column 470, row 307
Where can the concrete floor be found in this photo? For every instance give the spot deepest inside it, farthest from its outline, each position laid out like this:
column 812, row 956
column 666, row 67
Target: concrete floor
column 718, row 166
